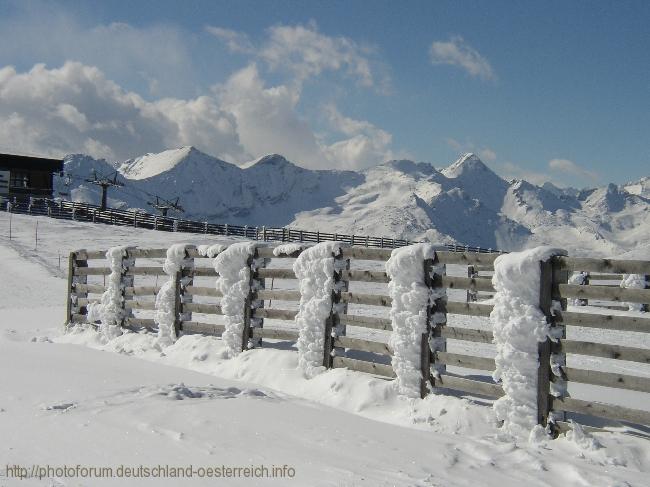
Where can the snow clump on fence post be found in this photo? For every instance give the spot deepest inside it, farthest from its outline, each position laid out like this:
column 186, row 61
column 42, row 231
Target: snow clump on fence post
column 314, row 269
column 411, row 298
column 234, row 283
column 167, row 298
column 519, row 326
column 110, row 310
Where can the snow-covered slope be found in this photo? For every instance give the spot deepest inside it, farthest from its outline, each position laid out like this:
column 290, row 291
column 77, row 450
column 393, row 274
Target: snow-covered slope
column 465, row 203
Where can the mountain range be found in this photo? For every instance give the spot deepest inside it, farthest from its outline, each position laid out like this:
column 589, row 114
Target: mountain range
column 464, row 203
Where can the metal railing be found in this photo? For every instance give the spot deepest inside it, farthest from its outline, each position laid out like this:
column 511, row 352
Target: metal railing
column 85, row 212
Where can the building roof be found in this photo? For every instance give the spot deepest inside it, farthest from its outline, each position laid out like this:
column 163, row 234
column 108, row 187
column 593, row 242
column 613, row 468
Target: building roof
column 13, row 161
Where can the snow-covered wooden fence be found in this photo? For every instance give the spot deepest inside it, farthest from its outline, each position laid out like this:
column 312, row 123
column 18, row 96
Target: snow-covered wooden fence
column 355, row 332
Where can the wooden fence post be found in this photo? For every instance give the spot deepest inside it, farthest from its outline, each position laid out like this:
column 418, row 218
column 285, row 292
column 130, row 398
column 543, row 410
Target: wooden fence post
column 255, row 283
column 126, row 280
column 433, row 341
column 472, row 273
column 333, row 326
column 183, row 278
column 73, row 279
column 550, row 278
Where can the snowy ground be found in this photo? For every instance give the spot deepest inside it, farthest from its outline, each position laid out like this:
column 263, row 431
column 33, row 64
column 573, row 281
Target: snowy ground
column 68, row 399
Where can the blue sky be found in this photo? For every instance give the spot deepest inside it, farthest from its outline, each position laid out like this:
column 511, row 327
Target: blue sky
column 554, row 91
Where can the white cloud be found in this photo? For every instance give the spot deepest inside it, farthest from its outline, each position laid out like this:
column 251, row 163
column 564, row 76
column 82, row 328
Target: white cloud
column 566, row 166
column 456, row 52
column 366, row 146
column 487, row 154
column 75, row 108
column 307, row 53
column 267, row 120
column 236, row 41
column 134, row 56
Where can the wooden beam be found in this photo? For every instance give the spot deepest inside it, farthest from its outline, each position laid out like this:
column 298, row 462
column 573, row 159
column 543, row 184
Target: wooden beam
column 363, row 366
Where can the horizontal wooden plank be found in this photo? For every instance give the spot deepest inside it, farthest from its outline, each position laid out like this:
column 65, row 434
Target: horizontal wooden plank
column 145, row 271
column 208, row 309
column 605, row 277
column 89, row 288
column 466, row 258
column 453, row 282
column 197, row 327
column 365, row 276
column 202, row 291
column 363, row 366
column 276, row 273
column 131, row 304
column 275, row 334
column 278, row 294
column 471, row 309
column 275, row 314
column 608, row 379
column 601, row 410
column 366, row 322
column 367, row 253
column 92, row 271
column 141, row 290
column 138, row 253
column 469, row 386
column 617, row 352
column 148, row 323
column 467, row 334
column 370, row 299
column 363, row 345
column 467, row 361
column 604, row 293
column 90, row 254
column 602, row 265
column 608, row 322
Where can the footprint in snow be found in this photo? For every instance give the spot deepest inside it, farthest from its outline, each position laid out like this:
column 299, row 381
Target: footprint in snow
column 63, row 407
column 181, row 392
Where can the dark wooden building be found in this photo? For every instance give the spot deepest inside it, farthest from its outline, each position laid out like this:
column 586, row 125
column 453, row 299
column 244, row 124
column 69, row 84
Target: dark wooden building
column 22, row 177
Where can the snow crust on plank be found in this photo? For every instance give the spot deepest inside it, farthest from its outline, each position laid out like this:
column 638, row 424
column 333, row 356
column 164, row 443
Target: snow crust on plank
column 410, row 299
column 634, row 281
column 314, row 269
column 234, row 268
column 519, row 326
column 211, row 250
column 288, row 249
column 166, row 298
column 110, row 310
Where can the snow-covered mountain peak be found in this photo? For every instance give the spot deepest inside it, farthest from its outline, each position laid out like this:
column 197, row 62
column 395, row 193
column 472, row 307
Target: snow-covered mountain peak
column 153, row 164
column 405, row 166
column 271, row 161
column 467, row 164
